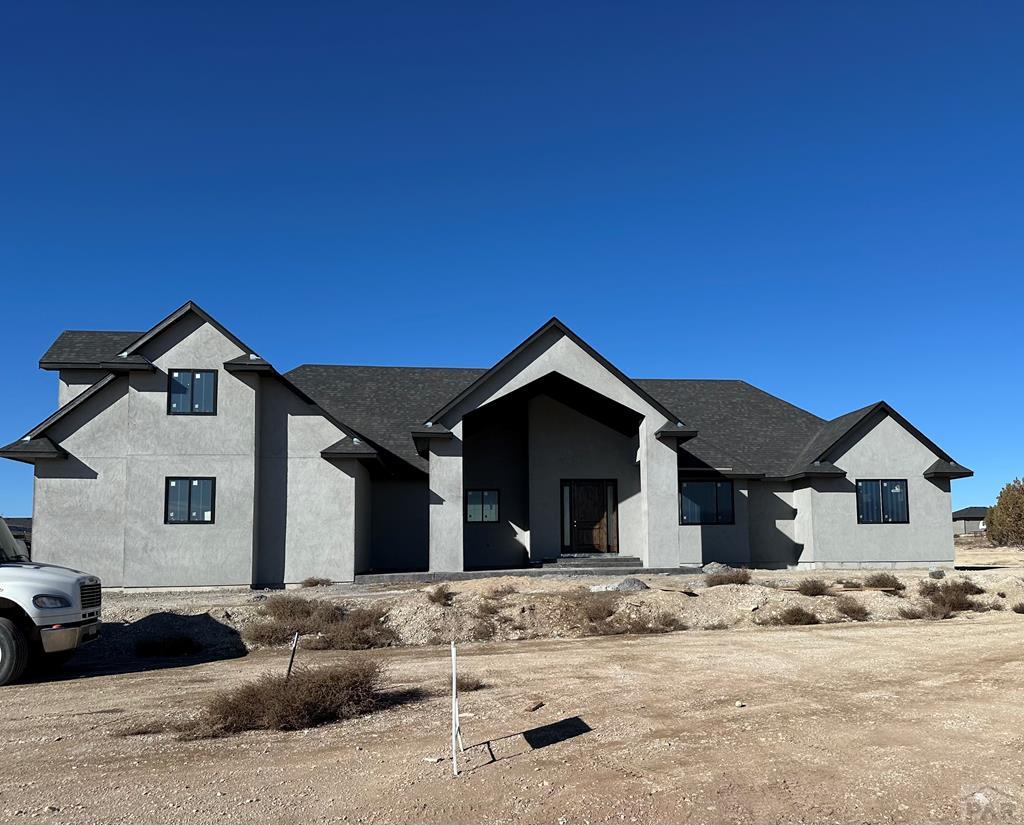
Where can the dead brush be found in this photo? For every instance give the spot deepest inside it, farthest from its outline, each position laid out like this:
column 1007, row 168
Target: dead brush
column 852, row 609
column 1018, row 608
column 467, row 682
column 500, row 591
column 591, row 610
column 953, row 595
column 636, row 624
column 310, row 697
column 440, row 594
column 361, row 628
column 732, row 576
column 315, row 581
column 795, row 615
column 283, row 616
column 884, row 580
column 812, row 587
column 931, row 610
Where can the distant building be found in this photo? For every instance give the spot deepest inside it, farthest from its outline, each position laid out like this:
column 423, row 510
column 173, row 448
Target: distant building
column 969, row 520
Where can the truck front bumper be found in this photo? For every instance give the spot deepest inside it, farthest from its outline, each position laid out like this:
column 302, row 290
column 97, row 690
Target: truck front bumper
column 58, row 638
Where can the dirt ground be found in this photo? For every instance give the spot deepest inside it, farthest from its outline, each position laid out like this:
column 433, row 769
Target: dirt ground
column 887, row 720
column 873, row 722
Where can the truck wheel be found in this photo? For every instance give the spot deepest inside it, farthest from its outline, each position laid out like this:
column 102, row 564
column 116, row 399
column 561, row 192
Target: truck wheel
column 13, row 651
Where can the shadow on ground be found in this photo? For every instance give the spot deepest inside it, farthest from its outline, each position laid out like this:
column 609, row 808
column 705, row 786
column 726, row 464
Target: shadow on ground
column 155, row 642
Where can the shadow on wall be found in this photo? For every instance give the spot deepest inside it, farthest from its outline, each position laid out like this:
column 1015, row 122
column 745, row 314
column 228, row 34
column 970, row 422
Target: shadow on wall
column 156, row 642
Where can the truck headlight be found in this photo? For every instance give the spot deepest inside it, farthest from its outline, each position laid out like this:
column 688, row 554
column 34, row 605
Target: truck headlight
column 50, row 601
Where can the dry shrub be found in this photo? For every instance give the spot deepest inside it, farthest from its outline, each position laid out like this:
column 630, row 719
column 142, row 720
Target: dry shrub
column 930, row 611
column 884, row 580
column 284, row 616
column 173, row 644
column 315, row 581
column 483, row 629
column 311, row 697
column 953, row 595
column 795, row 615
column 727, row 577
column 440, row 594
column 335, row 627
column 812, row 587
column 488, row 607
column 500, row 591
column 362, row 628
column 636, row 624
column 592, row 610
column 852, row 609
column 1018, row 608
column 467, row 682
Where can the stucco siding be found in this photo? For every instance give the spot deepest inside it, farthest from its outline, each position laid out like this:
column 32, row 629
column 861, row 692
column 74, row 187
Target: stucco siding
column 725, row 543
column 79, row 503
column 772, row 523
column 72, row 383
column 307, row 513
column 887, row 451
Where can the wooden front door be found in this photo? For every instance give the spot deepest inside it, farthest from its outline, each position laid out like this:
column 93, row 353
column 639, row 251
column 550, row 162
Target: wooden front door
column 589, row 514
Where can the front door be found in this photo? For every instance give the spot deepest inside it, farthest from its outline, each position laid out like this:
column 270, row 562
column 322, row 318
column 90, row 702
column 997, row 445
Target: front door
column 589, row 516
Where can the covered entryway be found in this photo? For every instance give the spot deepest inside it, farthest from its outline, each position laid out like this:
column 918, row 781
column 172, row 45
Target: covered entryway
column 590, row 521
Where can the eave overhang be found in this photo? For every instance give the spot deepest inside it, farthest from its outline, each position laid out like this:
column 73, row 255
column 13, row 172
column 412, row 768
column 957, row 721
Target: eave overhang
column 423, row 435
column 678, row 432
column 947, row 469
column 128, row 363
column 349, row 448
column 249, row 363
column 29, row 450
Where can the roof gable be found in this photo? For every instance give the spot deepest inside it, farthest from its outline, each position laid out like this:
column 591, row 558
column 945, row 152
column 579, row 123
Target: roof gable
column 554, row 325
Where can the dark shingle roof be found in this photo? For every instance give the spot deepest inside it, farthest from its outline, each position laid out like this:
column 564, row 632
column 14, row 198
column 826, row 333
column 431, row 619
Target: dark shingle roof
column 86, row 348
column 383, row 404
column 763, row 432
column 970, row 513
column 739, row 426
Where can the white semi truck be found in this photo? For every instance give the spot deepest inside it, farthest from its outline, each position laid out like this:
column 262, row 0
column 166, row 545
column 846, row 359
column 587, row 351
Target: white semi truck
column 46, row 612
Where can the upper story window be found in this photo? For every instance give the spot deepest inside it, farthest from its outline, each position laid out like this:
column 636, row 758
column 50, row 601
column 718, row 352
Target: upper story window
column 192, row 392
column 189, row 500
column 706, row 502
column 882, row 501
column 481, row 505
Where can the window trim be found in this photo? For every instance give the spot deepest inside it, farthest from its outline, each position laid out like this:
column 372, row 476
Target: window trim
column 688, row 479
column 167, row 497
column 482, row 490
column 216, row 383
column 881, row 506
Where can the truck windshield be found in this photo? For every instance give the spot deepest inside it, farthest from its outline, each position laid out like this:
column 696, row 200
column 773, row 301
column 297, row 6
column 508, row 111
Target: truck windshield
column 10, row 550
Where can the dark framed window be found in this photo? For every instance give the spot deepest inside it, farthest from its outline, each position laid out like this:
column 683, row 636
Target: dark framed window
column 706, row 501
column 481, row 506
column 192, row 392
column 882, row 501
column 190, row 500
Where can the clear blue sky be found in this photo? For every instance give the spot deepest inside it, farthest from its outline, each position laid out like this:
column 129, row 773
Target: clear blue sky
column 824, row 199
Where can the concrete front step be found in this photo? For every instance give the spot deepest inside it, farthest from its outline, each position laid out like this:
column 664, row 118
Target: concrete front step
column 525, row 572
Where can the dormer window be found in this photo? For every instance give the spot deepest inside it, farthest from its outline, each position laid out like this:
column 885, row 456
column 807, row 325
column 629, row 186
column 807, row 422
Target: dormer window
column 192, row 392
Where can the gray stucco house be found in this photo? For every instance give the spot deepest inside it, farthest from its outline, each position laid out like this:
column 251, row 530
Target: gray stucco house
column 179, row 457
